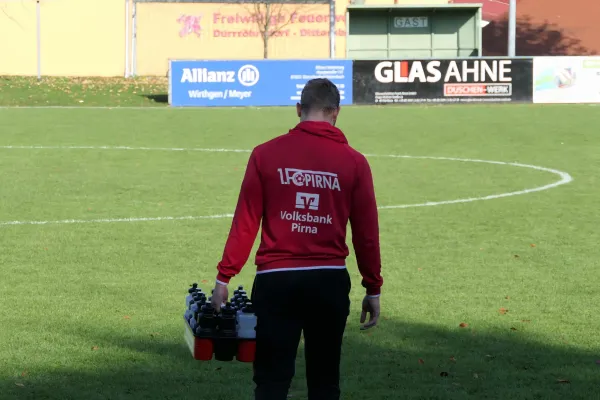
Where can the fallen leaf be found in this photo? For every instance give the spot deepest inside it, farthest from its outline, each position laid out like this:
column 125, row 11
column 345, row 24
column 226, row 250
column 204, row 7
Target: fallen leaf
column 563, row 381
column 463, row 325
column 443, row 374
column 525, row 320
column 24, row 373
column 204, row 281
column 502, row 310
column 452, row 359
column 127, row 317
column 421, row 361
column 507, row 297
column 532, row 245
column 94, row 348
column 516, row 256
column 513, row 329
column 155, row 334
column 19, row 384
column 489, row 356
column 419, row 269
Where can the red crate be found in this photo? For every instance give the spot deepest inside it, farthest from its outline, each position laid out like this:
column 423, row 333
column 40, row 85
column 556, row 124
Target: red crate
column 202, row 349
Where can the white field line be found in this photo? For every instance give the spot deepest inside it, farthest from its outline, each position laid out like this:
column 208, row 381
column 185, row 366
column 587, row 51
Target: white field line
column 564, row 179
column 122, row 148
column 89, row 221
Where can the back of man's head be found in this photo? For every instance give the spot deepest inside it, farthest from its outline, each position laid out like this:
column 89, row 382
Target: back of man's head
column 320, row 101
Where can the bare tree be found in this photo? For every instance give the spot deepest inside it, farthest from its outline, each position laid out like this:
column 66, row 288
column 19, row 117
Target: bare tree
column 270, row 20
column 3, row 8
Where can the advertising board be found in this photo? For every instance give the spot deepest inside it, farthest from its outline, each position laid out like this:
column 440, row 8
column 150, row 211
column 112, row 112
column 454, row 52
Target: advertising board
column 566, row 80
column 471, row 80
column 252, row 82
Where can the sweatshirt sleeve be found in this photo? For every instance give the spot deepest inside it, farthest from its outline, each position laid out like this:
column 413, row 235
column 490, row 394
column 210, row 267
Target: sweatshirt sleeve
column 245, row 225
column 365, row 229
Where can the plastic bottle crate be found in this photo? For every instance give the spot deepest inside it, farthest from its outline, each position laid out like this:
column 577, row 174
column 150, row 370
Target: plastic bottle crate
column 224, row 337
column 203, row 349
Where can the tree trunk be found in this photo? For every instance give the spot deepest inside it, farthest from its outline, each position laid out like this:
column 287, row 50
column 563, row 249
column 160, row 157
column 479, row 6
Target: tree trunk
column 267, row 29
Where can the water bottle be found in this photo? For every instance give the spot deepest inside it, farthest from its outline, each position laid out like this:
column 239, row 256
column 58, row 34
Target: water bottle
column 246, row 334
column 191, row 290
column 226, row 343
column 188, row 312
column 205, row 332
column 247, row 322
column 195, row 309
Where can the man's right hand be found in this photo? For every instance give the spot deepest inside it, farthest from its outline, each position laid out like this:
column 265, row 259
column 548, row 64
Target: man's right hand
column 370, row 305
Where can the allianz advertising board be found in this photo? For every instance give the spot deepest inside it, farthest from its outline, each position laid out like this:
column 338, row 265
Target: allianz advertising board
column 252, row 83
column 442, row 81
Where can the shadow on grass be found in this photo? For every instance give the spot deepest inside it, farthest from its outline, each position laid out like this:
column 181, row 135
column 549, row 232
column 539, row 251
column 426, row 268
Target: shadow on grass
column 395, row 361
column 157, row 98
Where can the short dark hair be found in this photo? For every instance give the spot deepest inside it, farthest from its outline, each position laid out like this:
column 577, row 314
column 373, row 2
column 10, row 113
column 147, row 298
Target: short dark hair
column 320, row 95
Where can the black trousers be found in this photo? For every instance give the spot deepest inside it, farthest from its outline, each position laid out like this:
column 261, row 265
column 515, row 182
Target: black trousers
column 287, row 303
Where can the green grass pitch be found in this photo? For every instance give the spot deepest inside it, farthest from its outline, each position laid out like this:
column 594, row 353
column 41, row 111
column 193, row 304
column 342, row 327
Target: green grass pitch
column 493, row 299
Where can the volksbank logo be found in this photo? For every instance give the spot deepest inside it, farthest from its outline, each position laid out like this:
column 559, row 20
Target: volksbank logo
column 297, row 216
column 307, row 201
column 432, row 71
column 247, row 75
column 309, row 179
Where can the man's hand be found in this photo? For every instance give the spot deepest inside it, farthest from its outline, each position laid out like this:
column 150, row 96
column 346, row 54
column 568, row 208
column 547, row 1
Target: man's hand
column 219, row 296
column 371, row 306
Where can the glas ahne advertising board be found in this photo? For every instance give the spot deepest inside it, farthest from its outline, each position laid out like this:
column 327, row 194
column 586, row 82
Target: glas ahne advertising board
column 442, row 81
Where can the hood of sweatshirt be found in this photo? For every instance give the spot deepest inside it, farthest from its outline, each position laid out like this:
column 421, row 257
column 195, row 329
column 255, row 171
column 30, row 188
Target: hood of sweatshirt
column 321, row 128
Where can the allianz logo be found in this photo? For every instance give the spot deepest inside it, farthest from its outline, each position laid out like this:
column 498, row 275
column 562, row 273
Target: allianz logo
column 247, row 75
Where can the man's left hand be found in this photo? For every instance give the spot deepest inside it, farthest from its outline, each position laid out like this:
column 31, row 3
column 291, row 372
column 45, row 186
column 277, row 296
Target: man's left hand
column 219, row 296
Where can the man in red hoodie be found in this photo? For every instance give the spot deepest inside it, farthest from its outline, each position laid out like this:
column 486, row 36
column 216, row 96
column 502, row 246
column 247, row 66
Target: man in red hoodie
column 304, row 187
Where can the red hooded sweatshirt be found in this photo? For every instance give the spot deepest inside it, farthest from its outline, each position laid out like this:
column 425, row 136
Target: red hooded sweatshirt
column 305, row 186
